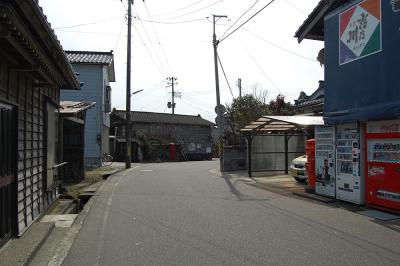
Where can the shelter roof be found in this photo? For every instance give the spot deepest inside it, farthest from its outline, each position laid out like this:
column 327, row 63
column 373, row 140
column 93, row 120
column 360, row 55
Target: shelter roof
column 72, row 108
column 274, row 124
column 163, row 118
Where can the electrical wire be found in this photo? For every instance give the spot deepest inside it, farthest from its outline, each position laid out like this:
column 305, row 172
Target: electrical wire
column 152, row 47
column 194, row 11
column 178, row 10
column 241, row 25
column 226, row 79
column 86, row 24
column 296, row 7
column 88, row 32
column 251, row 7
column 260, row 68
column 147, row 49
column 119, row 35
column 158, row 40
column 193, row 104
column 171, row 22
column 279, row 47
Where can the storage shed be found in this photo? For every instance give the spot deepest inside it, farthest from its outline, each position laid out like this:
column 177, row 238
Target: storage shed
column 191, row 134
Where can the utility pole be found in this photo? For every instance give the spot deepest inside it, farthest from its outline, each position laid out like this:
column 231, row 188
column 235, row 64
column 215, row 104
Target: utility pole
column 240, row 87
column 218, row 108
column 128, row 127
column 172, row 83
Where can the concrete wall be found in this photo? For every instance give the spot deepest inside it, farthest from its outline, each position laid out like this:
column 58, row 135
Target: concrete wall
column 235, row 158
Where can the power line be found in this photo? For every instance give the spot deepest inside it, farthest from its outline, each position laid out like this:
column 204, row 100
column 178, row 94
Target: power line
column 119, row 35
column 147, row 49
column 86, row 24
column 240, row 17
column 171, row 22
column 260, row 68
column 158, row 40
column 279, row 47
column 296, row 7
column 152, row 47
column 178, row 10
column 241, row 25
column 194, row 11
column 88, row 32
column 226, row 79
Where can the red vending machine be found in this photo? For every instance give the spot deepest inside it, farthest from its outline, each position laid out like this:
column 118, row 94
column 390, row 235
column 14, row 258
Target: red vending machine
column 383, row 165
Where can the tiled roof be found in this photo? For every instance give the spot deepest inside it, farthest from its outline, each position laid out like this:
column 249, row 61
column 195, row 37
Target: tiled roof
column 163, row 118
column 90, row 57
column 317, row 97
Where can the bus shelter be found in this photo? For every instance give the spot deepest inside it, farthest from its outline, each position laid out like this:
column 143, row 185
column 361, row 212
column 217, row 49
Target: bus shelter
column 280, row 132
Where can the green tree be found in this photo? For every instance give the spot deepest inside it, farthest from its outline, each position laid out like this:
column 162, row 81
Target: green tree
column 280, row 107
column 244, row 110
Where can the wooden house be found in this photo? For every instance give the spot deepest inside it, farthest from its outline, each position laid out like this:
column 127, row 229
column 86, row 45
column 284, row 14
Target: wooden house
column 191, row 135
column 33, row 69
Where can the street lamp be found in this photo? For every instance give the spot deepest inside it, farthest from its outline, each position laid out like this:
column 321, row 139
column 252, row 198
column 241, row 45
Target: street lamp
column 128, row 131
column 135, row 92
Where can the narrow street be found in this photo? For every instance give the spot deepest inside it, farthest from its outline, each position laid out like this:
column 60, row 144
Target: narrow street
column 185, row 214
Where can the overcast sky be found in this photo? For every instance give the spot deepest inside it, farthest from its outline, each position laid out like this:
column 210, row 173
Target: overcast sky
column 178, row 43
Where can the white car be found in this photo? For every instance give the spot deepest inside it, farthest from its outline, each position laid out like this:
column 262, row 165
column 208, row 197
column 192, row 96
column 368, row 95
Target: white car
column 298, row 168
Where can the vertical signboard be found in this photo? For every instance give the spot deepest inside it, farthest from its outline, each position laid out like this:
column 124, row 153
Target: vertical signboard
column 360, row 31
column 361, row 61
column 325, row 161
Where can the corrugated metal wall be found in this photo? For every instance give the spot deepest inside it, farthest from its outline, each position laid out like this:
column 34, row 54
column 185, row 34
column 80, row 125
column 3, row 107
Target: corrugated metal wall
column 268, row 152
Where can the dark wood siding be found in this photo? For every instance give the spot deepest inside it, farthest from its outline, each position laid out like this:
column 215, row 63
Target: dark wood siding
column 18, row 87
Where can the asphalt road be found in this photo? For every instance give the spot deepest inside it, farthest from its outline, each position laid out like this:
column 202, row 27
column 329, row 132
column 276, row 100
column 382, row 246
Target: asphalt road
column 185, row 214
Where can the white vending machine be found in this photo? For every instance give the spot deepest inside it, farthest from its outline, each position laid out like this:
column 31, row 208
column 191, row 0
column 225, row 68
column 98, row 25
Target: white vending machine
column 350, row 185
column 325, row 161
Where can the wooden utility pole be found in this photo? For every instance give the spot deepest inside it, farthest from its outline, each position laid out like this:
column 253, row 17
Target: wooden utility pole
column 240, row 87
column 172, row 83
column 128, row 127
column 218, row 108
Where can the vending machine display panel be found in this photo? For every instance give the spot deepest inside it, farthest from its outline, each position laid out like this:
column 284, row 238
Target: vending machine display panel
column 325, row 161
column 349, row 184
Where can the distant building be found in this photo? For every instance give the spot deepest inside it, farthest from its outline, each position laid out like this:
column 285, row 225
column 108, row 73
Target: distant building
column 313, row 104
column 96, row 71
column 190, row 134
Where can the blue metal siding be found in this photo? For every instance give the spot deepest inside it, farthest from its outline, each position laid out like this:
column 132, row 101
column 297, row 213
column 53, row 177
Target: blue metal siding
column 92, row 76
column 367, row 88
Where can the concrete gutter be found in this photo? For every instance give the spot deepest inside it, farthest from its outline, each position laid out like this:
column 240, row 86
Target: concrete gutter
column 22, row 250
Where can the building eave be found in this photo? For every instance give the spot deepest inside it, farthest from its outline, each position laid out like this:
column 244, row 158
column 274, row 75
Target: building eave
column 25, row 28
